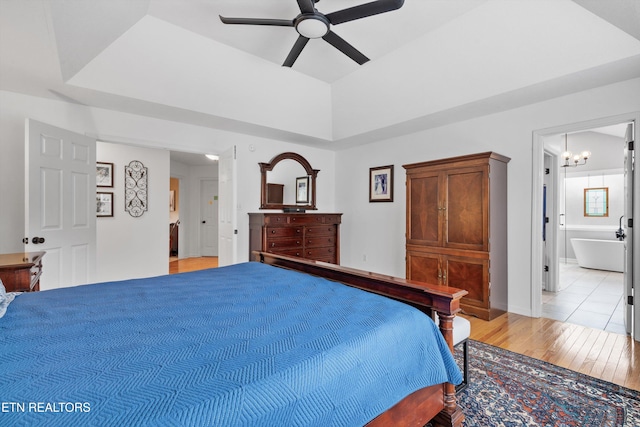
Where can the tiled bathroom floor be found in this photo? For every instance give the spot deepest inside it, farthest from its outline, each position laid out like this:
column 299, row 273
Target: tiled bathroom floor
column 587, row 297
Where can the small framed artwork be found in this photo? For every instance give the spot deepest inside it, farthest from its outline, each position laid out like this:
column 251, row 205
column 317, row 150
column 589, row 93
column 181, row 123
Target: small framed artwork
column 381, row 184
column 172, row 201
column 104, row 174
column 104, row 204
column 596, row 202
column 302, row 189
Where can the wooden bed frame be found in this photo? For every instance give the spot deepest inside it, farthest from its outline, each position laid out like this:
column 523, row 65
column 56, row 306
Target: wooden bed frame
column 436, row 403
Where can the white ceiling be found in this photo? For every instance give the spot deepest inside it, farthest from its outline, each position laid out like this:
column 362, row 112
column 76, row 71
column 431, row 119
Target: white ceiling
column 618, row 130
column 192, row 159
column 432, row 61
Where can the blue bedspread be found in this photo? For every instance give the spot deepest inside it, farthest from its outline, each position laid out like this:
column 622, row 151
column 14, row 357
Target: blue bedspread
column 244, row 345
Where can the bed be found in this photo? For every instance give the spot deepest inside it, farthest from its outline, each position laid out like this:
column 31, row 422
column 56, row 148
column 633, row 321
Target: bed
column 253, row 344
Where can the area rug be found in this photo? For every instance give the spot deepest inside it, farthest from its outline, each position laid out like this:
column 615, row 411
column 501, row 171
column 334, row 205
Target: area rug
column 508, row 389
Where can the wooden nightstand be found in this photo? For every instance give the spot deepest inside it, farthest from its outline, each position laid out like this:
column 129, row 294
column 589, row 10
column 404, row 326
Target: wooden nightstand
column 20, row 272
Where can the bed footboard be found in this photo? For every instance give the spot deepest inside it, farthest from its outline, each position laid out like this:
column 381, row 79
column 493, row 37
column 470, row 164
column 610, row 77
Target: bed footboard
column 436, row 403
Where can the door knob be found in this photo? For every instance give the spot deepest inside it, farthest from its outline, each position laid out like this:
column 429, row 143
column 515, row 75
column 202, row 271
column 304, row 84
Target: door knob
column 37, row 240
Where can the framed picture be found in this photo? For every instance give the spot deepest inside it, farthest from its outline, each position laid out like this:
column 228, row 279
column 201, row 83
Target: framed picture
column 302, row 189
column 104, row 174
column 104, row 204
column 381, row 184
column 172, row 200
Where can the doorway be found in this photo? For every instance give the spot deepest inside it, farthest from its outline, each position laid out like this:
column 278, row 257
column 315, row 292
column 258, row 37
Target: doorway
column 589, row 195
column 194, row 171
column 563, row 289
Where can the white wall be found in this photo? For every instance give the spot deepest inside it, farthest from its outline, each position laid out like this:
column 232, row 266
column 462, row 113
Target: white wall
column 132, row 247
column 575, row 200
column 377, row 230
column 579, row 226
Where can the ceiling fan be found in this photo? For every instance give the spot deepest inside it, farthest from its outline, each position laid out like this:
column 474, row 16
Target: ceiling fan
column 311, row 24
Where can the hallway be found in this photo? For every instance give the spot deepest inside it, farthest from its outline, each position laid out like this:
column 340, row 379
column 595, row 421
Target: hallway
column 587, row 297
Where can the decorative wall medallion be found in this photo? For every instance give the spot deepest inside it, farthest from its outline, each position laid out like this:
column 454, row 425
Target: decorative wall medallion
column 135, row 188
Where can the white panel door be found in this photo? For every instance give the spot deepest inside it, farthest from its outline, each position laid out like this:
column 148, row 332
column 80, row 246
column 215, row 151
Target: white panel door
column 209, row 217
column 60, row 210
column 228, row 229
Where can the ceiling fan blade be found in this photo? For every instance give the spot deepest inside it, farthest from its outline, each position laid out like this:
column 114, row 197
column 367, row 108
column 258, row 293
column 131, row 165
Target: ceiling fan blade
column 306, row 6
column 344, row 47
column 363, row 10
column 295, row 51
column 258, row 21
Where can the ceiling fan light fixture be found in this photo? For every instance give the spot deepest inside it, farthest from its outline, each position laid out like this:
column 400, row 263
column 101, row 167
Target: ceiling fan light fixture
column 312, row 26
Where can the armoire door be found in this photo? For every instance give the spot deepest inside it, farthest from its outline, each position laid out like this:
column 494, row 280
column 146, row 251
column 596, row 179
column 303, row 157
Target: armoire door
column 424, row 267
column 425, row 206
column 471, row 274
column 466, row 213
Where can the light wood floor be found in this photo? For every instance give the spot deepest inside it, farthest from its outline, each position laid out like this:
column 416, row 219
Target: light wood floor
column 605, row 355
column 192, row 264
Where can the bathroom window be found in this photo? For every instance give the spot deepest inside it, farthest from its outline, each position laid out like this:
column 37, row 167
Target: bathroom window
column 596, row 202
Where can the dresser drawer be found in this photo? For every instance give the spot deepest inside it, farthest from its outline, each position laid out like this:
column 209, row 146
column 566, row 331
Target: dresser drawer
column 276, row 220
column 320, row 230
column 311, row 219
column 276, row 244
column 319, row 241
column 320, row 253
column 332, row 219
column 283, row 232
column 288, row 252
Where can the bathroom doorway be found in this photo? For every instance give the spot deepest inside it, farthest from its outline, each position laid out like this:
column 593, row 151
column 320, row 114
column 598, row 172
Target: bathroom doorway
column 572, row 288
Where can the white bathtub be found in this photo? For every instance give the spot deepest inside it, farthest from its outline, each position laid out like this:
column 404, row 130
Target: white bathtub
column 599, row 254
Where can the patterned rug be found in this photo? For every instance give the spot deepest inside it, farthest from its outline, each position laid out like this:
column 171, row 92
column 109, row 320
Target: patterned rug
column 509, row 389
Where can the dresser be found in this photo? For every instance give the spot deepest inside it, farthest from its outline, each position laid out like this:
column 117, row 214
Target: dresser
column 457, row 228
column 313, row 236
column 20, row 272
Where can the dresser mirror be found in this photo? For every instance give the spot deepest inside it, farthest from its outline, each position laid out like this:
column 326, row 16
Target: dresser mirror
column 290, row 185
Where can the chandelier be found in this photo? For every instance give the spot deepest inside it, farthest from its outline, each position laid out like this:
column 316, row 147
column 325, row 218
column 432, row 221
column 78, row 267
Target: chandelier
column 567, row 156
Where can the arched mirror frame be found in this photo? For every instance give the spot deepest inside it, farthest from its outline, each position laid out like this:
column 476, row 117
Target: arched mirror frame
column 265, row 167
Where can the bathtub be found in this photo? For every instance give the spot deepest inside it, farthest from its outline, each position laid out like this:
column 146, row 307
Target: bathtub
column 599, row 254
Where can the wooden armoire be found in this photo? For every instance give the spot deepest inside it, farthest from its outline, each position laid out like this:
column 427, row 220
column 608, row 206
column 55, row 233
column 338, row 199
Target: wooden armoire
column 457, row 228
